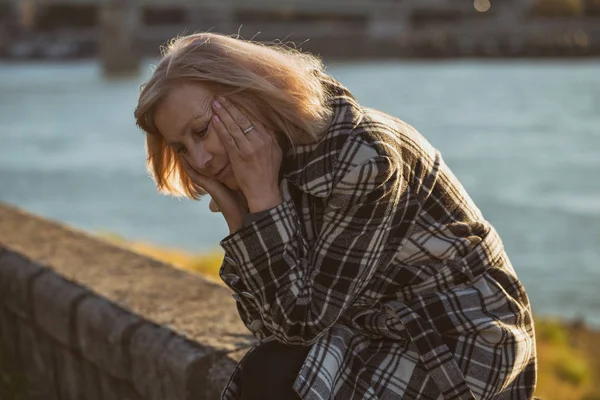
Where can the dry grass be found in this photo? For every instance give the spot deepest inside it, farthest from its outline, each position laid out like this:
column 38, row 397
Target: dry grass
column 207, row 264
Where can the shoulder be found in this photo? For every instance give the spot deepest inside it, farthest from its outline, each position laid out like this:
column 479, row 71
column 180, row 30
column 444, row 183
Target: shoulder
column 360, row 145
column 345, row 155
column 393, row 137
column 359, row 126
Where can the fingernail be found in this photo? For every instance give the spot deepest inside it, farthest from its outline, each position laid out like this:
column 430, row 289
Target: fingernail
column 216, row 118
column 217, row 104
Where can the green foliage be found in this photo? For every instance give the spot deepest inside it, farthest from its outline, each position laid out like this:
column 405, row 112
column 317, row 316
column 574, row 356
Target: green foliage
column 567, row 365
column 551, row 332
column 572, row 369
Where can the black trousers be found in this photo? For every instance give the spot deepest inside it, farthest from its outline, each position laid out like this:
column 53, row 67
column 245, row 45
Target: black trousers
column 269, row 371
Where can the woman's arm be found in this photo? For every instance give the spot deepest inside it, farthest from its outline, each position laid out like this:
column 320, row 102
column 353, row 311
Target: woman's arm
column 301, row 290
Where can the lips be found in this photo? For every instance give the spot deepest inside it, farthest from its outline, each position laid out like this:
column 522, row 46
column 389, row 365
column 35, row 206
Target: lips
column 222, row 172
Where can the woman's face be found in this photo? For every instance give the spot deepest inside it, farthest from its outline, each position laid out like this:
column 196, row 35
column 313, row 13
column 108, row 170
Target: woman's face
column 183, row 118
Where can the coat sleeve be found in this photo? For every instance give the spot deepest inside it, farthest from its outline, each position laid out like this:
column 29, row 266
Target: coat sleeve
column 301, row 290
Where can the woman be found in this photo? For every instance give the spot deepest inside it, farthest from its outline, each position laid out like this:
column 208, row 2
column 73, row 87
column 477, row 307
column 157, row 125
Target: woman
column 355, row 256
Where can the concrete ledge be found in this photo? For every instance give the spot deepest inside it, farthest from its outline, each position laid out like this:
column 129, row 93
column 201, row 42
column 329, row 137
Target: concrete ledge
column 87, row 319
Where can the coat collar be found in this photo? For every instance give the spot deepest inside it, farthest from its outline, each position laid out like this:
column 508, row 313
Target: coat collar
column 313, row 168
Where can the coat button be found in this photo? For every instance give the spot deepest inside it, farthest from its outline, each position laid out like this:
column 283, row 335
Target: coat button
column 229, row 260
column 231, row 279
column 236, row 297
column 389, row 310
column 256, row 325
column 248, row 295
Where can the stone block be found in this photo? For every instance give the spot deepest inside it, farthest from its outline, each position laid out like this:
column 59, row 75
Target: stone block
column 188, row 365
column 76, row 378
column 69, row 375
column 220, row 372
column 193, row 307
column 138, row 327
column 109, row 387
column 90, row 380
column 167, row 366
column 36, row 353
column 54, row 304
column 9, row 335
column 16, row 275
column 112, row 389
column 103, row 335
column 147, row 345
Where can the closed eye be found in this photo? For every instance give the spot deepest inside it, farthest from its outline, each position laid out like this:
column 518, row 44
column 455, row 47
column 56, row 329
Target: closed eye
column 200, row 133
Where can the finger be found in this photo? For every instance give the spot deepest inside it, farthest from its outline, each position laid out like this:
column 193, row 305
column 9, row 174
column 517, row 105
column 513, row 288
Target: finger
column 228, row 140
column 202, row 182
column 262, row 130
column 242, row 121
column 223, row 117
column 228, row 204
column 191, row 172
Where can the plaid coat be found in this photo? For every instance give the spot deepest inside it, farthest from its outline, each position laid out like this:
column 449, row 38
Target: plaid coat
column 380, row 261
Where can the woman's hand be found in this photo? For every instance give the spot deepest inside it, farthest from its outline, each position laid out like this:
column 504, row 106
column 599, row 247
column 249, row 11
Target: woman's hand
column 255, row 156
column 224, row 200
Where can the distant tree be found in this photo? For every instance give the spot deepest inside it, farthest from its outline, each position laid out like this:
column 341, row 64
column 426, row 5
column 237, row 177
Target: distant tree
column 558, row 8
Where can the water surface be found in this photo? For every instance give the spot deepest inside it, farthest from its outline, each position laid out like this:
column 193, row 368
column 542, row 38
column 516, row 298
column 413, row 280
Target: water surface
column 522, row 136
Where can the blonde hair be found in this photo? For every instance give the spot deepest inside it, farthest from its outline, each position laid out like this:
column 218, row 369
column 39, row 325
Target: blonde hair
column 275, row 85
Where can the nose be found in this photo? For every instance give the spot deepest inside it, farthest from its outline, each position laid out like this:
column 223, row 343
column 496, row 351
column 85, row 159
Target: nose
column 200, row 160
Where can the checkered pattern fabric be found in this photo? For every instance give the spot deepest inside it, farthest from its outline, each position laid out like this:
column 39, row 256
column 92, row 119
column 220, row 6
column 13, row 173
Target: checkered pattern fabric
column 380, row 261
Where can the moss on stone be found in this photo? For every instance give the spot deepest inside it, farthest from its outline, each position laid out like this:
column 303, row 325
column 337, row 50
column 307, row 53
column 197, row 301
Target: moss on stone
column 13, row 383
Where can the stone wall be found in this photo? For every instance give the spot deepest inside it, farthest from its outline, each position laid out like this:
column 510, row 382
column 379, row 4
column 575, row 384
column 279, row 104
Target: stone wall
column 84, row 319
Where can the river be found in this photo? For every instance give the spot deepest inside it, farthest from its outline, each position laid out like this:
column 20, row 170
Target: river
column 522, row 136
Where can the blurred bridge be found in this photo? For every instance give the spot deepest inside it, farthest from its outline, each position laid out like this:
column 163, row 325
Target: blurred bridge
column 120, row 31
column 127, row 27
